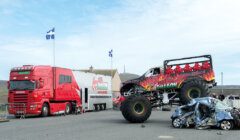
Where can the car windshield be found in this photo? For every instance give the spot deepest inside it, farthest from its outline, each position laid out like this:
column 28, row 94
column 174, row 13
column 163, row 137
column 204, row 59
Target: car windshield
column 221, row 106
column 153, row 71
column 22, row 85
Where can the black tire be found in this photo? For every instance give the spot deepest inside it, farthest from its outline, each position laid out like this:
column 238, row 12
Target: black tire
column 226, row 125
column 193, row 89
column 136, row 109
column 104, row 106
column 68, row 109
column 45, row 110
column 96, row 107
column 17, row 116
column 101, row 107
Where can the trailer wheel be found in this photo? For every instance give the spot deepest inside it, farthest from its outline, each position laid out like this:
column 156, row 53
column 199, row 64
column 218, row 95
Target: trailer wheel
column 45, row 110
column 104, row 107
column 68, row 109
column 101, row 107
column 193, row 89
column 136, row 108
column 96, row 107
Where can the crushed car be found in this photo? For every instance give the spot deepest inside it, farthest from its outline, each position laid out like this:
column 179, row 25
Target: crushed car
column 207, row 112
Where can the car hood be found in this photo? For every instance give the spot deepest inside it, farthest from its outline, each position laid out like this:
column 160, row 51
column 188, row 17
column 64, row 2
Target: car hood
column 136, row 80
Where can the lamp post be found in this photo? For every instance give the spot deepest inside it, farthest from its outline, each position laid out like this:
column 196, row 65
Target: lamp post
column 222, row 81
column 110, row 54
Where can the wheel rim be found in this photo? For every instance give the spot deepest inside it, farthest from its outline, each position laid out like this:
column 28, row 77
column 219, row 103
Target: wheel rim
column 45, row 110
column 176, row 123
column 194, row 93
column 129, row 92
column 226, row 125
column 139, row 108
column 67, row 109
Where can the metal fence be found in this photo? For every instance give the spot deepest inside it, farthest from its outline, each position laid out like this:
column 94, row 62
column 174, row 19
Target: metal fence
column 19, row 109
column 4, row 111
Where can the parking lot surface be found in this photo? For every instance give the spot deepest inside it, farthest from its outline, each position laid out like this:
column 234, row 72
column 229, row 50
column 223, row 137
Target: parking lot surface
column 105, row 125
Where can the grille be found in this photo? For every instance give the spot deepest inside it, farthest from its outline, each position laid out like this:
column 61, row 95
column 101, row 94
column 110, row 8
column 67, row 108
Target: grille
column 20, row 99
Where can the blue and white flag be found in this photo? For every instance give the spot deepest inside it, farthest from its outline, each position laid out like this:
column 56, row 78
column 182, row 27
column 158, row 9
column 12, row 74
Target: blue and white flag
column 110, row 53
column 50, row 34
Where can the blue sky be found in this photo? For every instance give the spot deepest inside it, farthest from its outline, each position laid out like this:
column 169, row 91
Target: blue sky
column 142, row 33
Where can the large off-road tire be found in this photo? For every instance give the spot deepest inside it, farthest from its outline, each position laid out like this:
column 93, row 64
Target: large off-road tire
column 193, row 89
column 136, row 108
column 45, row 110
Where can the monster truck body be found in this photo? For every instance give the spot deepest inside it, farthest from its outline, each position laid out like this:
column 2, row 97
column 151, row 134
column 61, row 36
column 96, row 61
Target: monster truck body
column 185, row 78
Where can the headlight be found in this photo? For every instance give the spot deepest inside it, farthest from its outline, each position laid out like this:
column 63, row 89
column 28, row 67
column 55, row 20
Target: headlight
column 33, row 106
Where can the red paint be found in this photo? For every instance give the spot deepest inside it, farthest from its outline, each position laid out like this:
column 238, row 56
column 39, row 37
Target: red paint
column 180, row 75
column 48, row 89
column 119, row 100
column 97, row 82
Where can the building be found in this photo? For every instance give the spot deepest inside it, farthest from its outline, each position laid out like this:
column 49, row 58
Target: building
column 127, row 76
column 226, row 89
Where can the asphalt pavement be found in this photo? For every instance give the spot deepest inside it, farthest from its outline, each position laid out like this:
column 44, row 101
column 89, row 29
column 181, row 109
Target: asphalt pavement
column 105, row 125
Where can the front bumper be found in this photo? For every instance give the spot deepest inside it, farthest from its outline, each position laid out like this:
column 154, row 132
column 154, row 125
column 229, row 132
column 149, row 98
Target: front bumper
column 22, row 109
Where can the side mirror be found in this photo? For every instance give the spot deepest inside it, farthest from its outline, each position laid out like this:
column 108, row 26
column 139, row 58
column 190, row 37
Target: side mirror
column 8, row 84
column 41, row 83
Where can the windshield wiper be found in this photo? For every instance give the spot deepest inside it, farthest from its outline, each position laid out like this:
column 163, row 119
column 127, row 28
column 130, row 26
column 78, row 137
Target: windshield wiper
column 27, row 88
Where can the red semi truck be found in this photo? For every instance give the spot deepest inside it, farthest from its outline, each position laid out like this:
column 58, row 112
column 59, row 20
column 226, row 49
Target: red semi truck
column 43, row 90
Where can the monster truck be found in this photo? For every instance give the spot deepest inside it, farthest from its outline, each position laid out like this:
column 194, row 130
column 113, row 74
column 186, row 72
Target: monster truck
column 183, row 79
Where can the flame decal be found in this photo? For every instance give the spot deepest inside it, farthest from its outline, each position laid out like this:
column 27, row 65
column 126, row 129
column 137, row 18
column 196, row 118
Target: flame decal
column 152, row 83
column 209, row 76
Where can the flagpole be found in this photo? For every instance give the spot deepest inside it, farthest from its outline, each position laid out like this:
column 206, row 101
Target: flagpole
column 111, row 73
column 51, row 35
column 111, row 59
column 54, row 52
column 54, row 49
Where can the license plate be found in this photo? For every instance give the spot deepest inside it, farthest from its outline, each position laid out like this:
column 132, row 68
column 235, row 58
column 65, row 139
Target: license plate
column 20, row 112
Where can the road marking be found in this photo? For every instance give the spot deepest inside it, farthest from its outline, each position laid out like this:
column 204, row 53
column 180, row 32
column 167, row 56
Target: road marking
column 165, row 137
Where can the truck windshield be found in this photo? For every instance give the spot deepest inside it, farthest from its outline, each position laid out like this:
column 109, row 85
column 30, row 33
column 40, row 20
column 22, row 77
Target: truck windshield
column 22, row 85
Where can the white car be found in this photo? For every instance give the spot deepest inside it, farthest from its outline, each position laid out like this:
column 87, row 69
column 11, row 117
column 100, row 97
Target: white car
column 232, row 100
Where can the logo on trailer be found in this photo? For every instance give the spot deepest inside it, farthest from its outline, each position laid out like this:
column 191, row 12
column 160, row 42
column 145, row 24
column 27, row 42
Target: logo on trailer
column 99, row 85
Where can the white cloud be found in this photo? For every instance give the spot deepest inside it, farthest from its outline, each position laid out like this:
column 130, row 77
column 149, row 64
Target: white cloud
column 144, row 33
column 23, row 51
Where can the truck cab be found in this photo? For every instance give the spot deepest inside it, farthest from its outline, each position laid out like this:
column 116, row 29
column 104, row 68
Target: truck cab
column 153, row 72
column 42, row 90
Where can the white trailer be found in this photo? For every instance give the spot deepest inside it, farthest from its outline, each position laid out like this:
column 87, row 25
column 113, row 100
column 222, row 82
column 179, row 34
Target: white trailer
column 95, row 90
